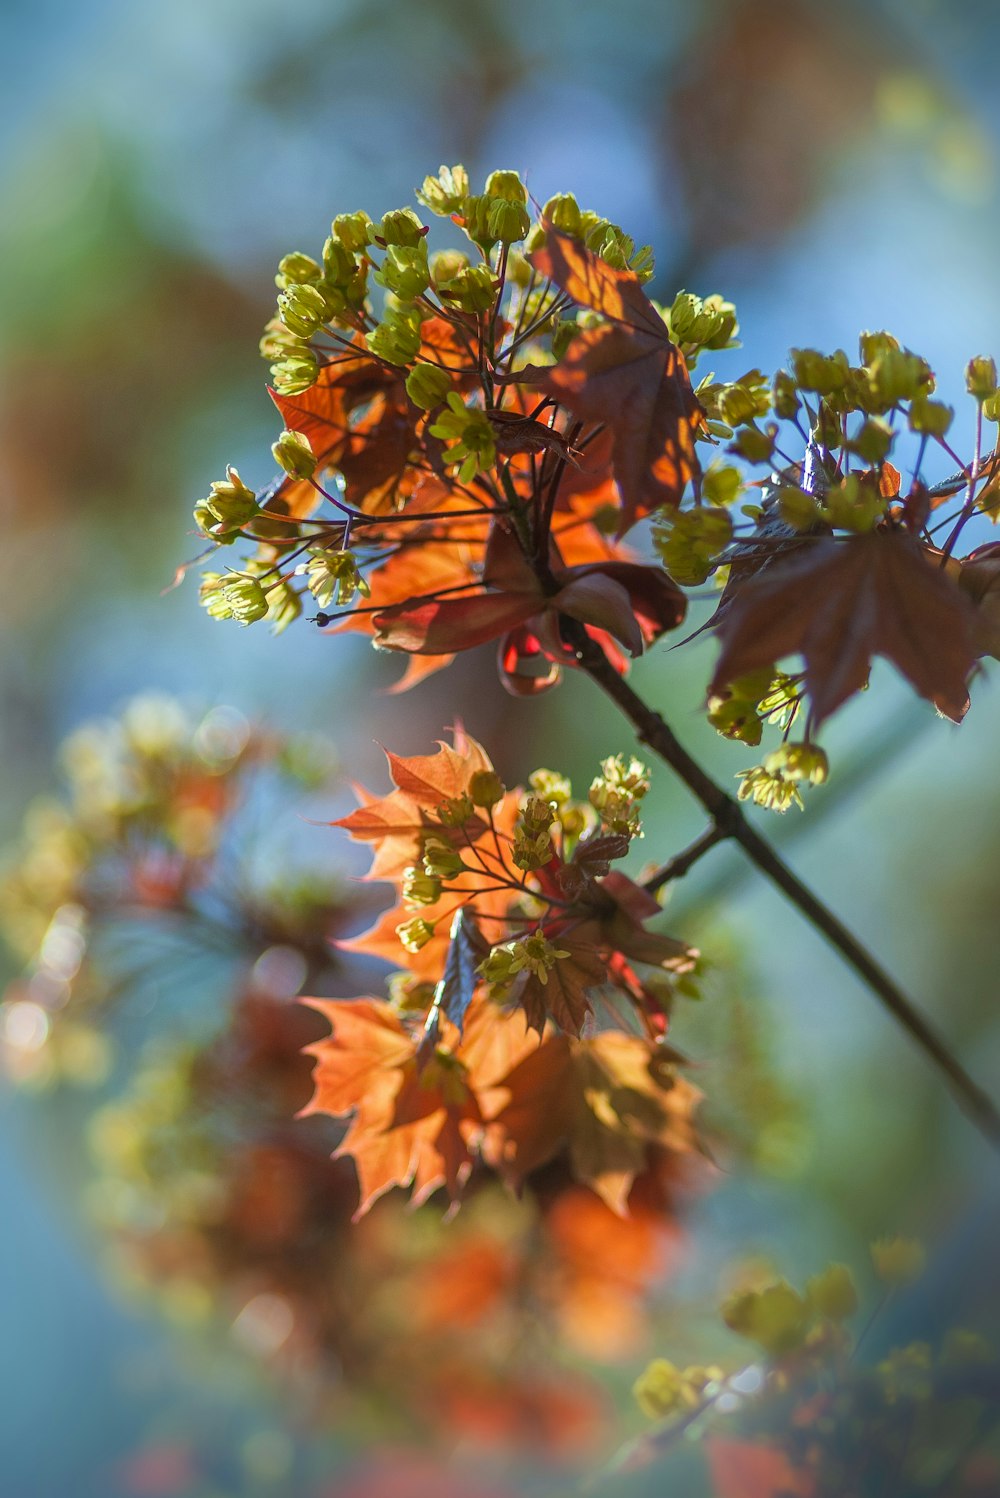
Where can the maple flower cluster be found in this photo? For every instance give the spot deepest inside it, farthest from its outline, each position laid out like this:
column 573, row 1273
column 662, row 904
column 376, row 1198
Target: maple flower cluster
column 470, row 432
column 510, row 920
column 808, row 1416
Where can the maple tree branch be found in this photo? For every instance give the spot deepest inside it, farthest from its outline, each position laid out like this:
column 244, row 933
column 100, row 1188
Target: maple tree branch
column 730, row 822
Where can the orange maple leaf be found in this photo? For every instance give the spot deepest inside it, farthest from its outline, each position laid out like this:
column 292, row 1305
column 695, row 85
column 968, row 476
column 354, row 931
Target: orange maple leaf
column 414, row 1123
column 605, row 1100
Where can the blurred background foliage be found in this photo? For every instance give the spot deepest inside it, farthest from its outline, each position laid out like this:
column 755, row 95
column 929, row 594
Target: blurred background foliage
column 830, row 168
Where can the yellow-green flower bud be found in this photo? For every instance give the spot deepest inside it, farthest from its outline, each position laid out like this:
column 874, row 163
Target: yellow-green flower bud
column 405, row 271
column 396, row 339
column 784, row 396
column 736, row 405
column 536, row 815
column 797, row 508
column 419, row 887
column 427, row 385
column 276, row 342
column 531, row 850
column 307, row 304
column 476, row 217
column 472, row 290
column 833, row 1294
column 401, row 226
column 821, row 373
column 721, row 484
column 498, row 967
column 441, row 860
column 444, row 194
column 553, row 788
column 508, row 222
column 873, row 440
column 753, row 444
column 897, row 375
column 686, row 318
column 981, row 378
column 486, row 788
column 690, row 541
column 339, row 264
column 244, row 598
column 563, row 212
column 898, row 1261
column 354, row 230
column 445, row 265
column 230, row 503
column 629, row 775
column 293, row 452
column 536, row 955
column 872, row 346
column 297, row 268
column 415, row 934
column 773, row 792
column 662, row 1390
column 735, row 718
column 775, row 1317
column 206, row 522
column 725, row 325
column 296, row 373
column 507, row 186
column 455, row 812
column 283, row 606
column 932, row 418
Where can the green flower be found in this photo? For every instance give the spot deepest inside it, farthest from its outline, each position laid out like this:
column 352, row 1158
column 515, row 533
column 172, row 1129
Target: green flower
column 468, row 438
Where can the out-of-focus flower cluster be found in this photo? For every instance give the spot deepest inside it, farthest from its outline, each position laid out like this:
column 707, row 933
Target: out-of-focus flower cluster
column 152, row 841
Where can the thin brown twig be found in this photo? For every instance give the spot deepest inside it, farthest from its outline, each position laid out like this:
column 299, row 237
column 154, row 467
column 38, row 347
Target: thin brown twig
column 730, row 822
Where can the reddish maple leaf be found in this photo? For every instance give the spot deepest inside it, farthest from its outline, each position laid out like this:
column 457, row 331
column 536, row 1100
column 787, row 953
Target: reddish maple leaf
column 625, row 373
column 839, row 603
column 632, row 603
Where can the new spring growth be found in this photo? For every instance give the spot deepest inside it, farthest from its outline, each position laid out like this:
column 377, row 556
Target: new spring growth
column 419, row 887
column 616, row 793
column 415, row 934
column 775, row 783
column 689, row 542
column 293, row 452
column 233, row 596
column 440, row 860
column 663, row 1389
column 534, row 954
column 227, row 509
column 468, row 438
column 334, row 577
column 532, row 835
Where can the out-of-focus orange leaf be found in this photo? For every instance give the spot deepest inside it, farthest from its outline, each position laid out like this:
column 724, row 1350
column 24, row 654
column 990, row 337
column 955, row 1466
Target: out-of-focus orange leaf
column 741, row 1469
